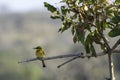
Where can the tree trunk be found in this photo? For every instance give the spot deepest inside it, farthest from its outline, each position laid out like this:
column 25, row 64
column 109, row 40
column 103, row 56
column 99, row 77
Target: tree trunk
column 111, row 67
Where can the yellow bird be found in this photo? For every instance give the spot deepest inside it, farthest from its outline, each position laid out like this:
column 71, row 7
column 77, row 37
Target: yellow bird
column 40, row 54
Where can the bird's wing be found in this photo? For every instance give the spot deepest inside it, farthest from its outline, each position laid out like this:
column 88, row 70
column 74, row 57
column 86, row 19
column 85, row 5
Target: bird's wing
column 43, row 52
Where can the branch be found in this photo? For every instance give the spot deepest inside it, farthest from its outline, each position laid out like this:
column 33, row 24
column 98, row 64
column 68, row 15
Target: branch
column 100, row 54
column 80, row 55
column 111, row 66
column 109, row 51
column 106, row 42
column 28, row 60
column 116, row 44
column 53, row 57
column 64, row 56
column 68, row 61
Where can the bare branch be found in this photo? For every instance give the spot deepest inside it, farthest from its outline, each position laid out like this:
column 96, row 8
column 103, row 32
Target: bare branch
column 28, row 60
column 63, row 56
column 68, row 61
column 116, row 44
column 106, row 42
column 116, row 51
column 53, row 57
column 80, row 55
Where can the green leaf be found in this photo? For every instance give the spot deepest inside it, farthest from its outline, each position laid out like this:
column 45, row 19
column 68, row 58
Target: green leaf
column 74, row 16
column 93, row 51
column 50, row 7
column 117, row 1
column 81, row 37
column 105, row 25
column 75, row 39
column 63, row 10
column 64, row 27
column 80, row 1
column 72, row 30
column 114, row 32
column 103, row 47
column 55, row 17
column 116, row 19
column 63, row 18
column 60, row 29
column 87, row 47
column 87, row 44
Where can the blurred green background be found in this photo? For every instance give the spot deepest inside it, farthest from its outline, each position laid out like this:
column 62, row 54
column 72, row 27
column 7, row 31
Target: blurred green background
column 20, row 32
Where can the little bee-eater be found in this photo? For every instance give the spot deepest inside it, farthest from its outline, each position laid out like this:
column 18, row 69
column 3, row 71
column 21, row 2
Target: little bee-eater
column 40, row 54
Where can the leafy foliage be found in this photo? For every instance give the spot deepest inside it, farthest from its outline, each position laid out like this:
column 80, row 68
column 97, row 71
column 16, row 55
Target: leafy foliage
column 114, row 32
column 87, row 20
column 50, row 7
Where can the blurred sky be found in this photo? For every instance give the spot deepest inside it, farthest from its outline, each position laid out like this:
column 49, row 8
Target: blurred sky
column 24, row 5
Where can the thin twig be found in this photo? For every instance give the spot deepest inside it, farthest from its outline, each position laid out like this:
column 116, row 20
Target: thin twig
column 116, row 44
column 63, row 56
column 116, row 51
column 106, row 42
column 28, row 60
column 68, row 61
column 99, row 54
